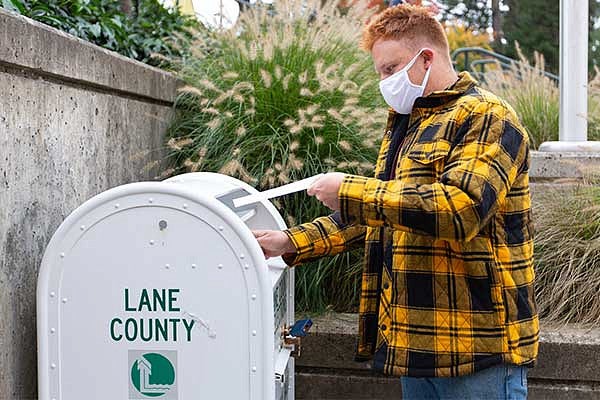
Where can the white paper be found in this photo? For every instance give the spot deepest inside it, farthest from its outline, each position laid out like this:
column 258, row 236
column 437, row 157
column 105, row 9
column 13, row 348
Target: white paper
column 276, row 192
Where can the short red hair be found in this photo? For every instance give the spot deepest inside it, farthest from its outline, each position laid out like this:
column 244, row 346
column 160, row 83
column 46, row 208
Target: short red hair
column 405, row 22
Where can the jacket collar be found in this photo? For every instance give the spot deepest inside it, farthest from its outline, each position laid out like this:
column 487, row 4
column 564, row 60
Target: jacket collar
column 464, row 83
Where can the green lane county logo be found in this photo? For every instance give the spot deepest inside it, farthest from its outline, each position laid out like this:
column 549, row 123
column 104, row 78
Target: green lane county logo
column 152, row 375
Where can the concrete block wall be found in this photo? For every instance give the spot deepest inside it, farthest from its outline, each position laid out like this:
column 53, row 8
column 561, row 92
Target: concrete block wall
column 75, row 120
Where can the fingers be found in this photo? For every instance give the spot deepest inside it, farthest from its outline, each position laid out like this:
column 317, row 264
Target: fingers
column 262, row 237
column 259, row 233
column 315, row 187
column 267, row 256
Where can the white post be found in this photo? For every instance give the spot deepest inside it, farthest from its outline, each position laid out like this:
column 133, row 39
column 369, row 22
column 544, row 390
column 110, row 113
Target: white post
column 573, row 79
column 573, row 70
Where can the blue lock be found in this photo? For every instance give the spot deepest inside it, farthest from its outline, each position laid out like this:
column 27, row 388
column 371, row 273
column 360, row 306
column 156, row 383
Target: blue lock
column 301, row 327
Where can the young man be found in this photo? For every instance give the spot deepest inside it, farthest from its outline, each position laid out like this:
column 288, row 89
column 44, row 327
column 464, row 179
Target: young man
column 447, row 298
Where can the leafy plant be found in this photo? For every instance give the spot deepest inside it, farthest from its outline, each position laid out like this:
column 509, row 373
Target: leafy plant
column 287, row 95
column 155, row 30
column 460, row 35
column 594, row 106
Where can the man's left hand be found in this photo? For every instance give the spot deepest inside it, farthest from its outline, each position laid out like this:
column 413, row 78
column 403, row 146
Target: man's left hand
column 326, row 189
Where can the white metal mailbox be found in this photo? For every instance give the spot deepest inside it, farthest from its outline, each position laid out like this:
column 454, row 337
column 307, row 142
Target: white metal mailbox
column 158, row 290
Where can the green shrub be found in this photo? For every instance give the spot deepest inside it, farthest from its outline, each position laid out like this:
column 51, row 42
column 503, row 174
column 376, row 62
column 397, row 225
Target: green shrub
column 286, row 95
column 155, row 30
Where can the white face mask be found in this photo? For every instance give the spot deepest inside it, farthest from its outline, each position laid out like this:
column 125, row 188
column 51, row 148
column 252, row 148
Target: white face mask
column 399, row 92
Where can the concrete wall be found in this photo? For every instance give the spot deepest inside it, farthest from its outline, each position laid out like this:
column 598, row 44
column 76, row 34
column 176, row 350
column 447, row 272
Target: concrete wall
column 75, row 120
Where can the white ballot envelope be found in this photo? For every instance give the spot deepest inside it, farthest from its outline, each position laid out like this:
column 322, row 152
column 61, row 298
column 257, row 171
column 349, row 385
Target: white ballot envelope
column 276, row 192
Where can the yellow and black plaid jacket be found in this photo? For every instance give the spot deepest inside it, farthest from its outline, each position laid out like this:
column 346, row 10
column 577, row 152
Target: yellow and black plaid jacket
column 447, row 284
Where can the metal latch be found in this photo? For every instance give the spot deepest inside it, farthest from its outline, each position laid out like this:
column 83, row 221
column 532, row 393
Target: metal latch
column 281, row 364
column 293, row 336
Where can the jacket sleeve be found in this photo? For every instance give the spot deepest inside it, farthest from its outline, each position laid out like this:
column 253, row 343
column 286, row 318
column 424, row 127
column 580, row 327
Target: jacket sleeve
column 325, row 236
column 479, row 170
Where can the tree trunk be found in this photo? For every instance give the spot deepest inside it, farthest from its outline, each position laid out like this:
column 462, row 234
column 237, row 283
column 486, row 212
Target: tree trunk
column 126, row 6
column 497, row 21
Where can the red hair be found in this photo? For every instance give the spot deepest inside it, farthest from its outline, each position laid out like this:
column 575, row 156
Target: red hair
column 405, row 21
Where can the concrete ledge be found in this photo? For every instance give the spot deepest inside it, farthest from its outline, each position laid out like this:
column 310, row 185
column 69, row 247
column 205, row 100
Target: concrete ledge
column 560, row 165
column 571, row 146
column 566, row 369
column 50, row 53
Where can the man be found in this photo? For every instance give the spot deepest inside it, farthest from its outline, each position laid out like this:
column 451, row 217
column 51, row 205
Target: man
column 447, row 298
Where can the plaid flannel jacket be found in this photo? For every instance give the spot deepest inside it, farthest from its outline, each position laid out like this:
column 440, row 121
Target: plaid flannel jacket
column 447, row 283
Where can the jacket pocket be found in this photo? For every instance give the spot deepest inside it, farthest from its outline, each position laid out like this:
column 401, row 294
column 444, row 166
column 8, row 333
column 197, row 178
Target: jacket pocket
column 426, row 153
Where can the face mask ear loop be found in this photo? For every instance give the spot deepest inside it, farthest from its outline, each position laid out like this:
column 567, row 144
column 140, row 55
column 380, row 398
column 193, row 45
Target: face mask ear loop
column 426, row 78
column 413, row 61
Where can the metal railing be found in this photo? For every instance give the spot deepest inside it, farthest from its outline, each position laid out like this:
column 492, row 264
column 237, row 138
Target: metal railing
column 478, row 66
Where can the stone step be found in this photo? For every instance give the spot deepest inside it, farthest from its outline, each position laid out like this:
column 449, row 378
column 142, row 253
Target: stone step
column 567, row 366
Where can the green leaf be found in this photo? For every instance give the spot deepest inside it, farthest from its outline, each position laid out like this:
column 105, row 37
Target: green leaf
column 96, row 30
column 117, row 21
column 52, row 21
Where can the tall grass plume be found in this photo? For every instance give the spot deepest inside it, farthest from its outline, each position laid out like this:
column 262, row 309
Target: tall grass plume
column 282, row 92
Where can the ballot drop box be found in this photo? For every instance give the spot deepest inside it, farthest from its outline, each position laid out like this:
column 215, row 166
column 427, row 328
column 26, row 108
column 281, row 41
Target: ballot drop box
column 159, row 290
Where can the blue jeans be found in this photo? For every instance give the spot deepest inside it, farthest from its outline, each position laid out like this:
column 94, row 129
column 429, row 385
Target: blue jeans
column 500, row 382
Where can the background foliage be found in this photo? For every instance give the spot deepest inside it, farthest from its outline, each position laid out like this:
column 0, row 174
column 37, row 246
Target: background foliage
column 285, row 96
column 460, row 36
column 535, row 98
column 534, row 24
column 288, row 95
column 152, row 30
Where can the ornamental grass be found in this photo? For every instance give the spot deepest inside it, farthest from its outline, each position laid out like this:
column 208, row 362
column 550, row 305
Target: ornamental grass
column 567, row 251
column 285, row 95
column 535, row 98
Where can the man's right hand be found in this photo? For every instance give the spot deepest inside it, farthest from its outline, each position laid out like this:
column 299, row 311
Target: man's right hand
column 274, row 243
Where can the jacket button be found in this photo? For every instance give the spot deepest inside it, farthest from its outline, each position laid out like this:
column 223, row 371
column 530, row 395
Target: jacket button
column 383, row 327
column 386, row 285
